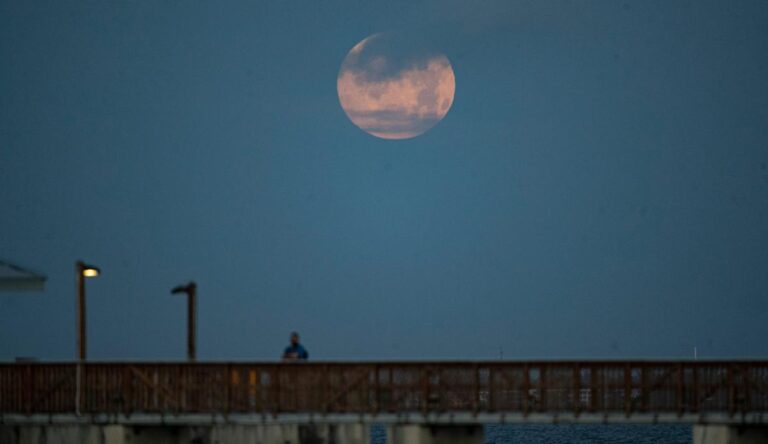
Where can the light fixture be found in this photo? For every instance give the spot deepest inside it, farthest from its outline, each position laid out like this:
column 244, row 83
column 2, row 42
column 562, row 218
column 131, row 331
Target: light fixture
column 90, row 271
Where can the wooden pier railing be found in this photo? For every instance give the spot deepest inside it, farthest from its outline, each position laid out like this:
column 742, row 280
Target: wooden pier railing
column 626, row 387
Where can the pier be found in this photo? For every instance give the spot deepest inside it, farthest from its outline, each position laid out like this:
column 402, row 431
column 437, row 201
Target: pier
column 337, row 402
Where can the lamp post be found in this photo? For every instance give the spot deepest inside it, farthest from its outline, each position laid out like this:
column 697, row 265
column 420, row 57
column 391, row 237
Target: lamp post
column 82, row 271
column 191, row 290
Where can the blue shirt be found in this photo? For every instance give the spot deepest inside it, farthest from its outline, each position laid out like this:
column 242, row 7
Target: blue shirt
column 295, row 350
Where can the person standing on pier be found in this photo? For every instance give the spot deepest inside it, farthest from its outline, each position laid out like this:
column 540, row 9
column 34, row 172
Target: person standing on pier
column 295, row 351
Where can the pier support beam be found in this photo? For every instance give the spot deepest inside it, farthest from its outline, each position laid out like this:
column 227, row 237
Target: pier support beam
column 729, row 434
column 435, row 434
column 49, row 434
column 347, row 433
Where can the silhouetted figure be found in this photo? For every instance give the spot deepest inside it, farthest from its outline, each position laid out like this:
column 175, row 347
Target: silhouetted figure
column 295, row 351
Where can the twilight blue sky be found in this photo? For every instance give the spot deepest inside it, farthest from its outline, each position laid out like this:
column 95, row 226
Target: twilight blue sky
column 598, row 189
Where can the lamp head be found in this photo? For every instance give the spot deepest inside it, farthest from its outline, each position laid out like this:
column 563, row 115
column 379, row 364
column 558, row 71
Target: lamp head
column 189, row 288
column 88, row 270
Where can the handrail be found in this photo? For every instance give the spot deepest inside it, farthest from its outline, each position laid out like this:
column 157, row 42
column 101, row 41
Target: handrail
column 423, row 387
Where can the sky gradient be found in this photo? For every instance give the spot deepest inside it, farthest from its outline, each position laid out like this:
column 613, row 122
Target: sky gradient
column 599, row 187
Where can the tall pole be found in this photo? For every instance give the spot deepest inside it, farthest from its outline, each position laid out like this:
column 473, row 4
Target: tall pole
column 79, row 268
column 191, row 290
column 80, row 283
column 82, row 271
column 191, row 318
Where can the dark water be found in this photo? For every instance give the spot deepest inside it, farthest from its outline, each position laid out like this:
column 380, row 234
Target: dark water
column 588, row 433
column 575, row 434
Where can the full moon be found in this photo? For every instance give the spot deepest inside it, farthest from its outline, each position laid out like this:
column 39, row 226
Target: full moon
column 393, row 88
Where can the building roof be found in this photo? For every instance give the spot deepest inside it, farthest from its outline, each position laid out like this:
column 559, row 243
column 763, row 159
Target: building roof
column 15, row 278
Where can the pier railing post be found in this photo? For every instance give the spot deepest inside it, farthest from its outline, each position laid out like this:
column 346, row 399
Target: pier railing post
column 576, row 390
column 526, row 389
column 680, row 389
column 627, row 390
